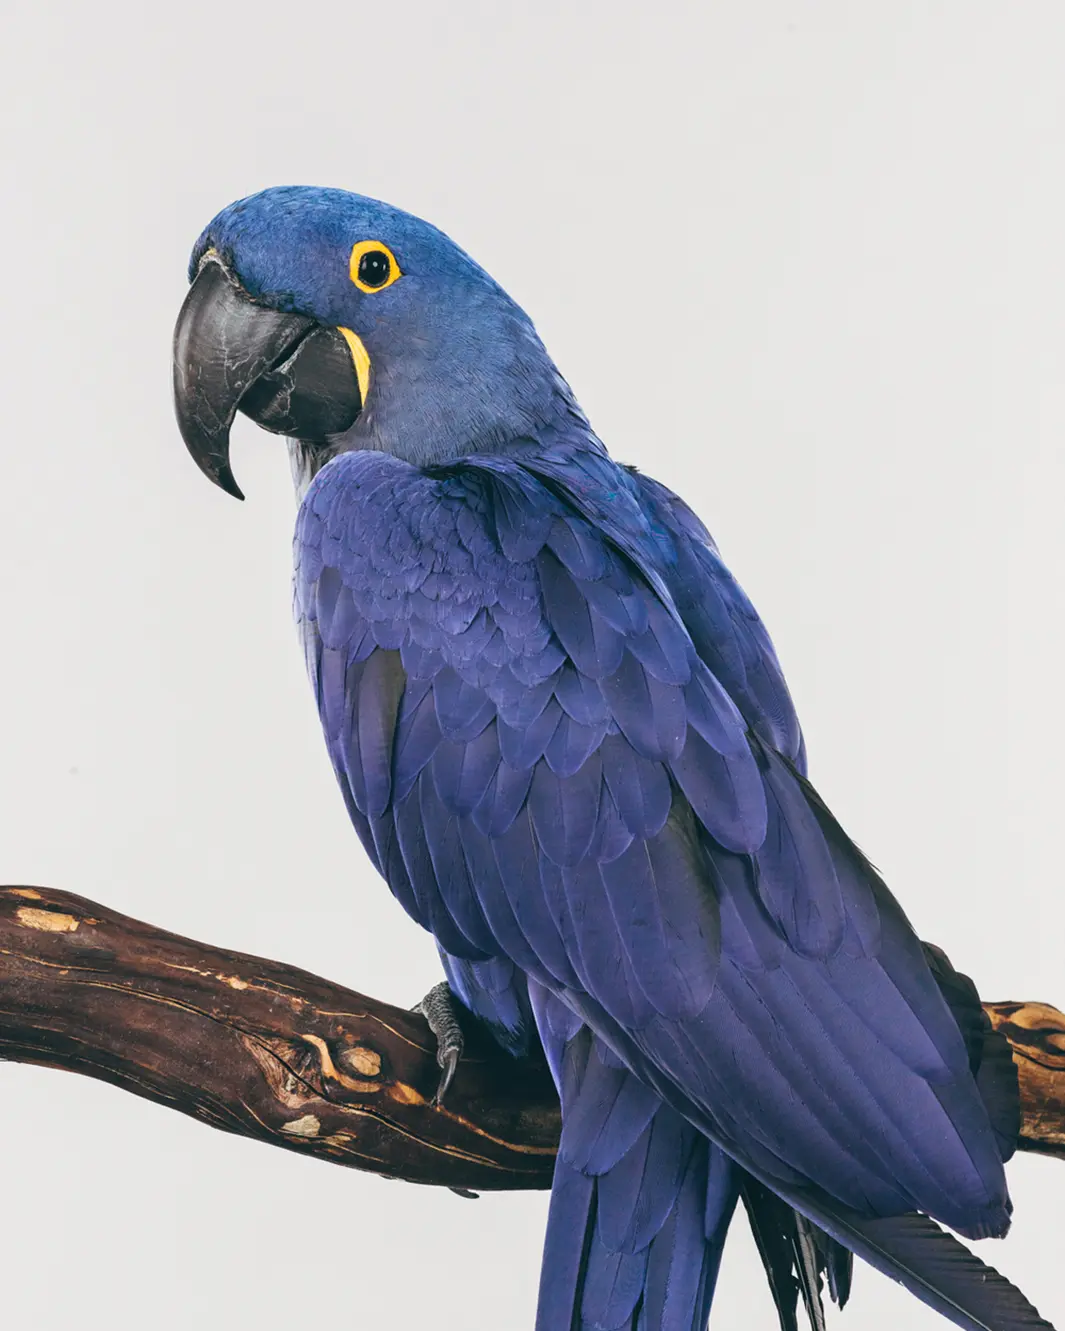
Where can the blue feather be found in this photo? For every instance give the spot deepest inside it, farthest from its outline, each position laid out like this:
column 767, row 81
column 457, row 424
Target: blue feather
column 604, row 1120
column 338, row 620
column 462, row 710
column 613, row 1282
column 638, row 1194
column 663, row 648
column 650, row 715
column 682, row 1263
column 521, row 533
column 604, row 965
column 670, row 933
column 592, row 645
column 462, row 773
column 418, row 736
column 572, row 745
column 454, row 886
column 640, row 788
column 616, row 599
column 612, row 838
column 522, row 746
column 430, row 911
column 580, row 697
column 578, row 547
column 570, row 1213
column 540, row 917
column 575, row 665
column 509, row 935
column 565, row 810
column 652, row 1208
column 725, row 792
column 518, row 704
column 382, row 682
column 796, row 874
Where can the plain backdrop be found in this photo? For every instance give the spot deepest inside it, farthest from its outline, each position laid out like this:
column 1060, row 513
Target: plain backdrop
column 802, row 261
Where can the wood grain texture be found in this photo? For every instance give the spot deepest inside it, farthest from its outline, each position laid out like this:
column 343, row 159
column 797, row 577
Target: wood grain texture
column 263, row 1049
column 1036, row 1032
column 274, row 1053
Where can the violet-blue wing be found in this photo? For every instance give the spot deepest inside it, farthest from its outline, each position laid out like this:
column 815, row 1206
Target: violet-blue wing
column 564, row 739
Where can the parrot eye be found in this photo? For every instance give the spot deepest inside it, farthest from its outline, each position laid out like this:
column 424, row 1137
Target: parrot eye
column 373, row 266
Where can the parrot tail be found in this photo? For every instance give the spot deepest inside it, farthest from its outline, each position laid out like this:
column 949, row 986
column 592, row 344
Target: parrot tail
column 798, row 1257
column 640, row 1206
column 932, row 1264
column 595, row 1277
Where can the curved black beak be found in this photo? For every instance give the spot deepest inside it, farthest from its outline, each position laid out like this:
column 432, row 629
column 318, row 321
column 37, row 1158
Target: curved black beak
column 287, row 372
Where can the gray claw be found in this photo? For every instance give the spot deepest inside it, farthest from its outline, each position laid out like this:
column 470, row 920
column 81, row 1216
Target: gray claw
column 440, row 1010
column 448, row 1060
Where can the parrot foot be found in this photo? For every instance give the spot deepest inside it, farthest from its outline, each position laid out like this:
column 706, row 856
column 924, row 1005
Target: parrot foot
column 440, row 1010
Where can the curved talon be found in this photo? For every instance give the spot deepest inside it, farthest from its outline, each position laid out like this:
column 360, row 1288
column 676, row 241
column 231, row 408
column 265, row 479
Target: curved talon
column 440, row 1010
column 448, row 1060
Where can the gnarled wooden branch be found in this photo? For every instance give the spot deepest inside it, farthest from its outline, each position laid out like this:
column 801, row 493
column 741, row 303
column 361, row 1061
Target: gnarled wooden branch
column 271, row 1052
column 262, row 1049
column 1036, row 1032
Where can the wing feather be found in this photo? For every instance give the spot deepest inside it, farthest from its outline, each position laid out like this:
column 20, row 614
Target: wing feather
column 566, row 733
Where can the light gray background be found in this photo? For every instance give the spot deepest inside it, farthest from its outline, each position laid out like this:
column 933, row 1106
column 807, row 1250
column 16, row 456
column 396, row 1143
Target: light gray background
column 851, row 365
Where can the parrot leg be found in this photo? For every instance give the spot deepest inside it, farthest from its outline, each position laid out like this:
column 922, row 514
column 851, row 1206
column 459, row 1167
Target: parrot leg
column 440, row 1010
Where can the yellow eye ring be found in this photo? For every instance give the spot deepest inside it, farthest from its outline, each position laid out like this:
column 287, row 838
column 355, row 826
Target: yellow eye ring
column 373, row 266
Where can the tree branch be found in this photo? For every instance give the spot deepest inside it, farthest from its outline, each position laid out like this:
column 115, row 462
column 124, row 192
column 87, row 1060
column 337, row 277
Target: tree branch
column 1036, row 1032
column 263, row 1049
column 275, row 1053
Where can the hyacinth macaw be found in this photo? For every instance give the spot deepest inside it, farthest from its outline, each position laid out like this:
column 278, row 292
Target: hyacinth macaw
column 565, row 741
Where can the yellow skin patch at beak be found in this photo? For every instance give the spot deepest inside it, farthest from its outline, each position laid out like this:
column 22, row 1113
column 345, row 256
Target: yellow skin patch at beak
column 361, row 357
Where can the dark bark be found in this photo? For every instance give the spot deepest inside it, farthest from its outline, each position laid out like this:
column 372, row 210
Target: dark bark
column 271, row 1052
column 262, row 1049
column 1036, row 1032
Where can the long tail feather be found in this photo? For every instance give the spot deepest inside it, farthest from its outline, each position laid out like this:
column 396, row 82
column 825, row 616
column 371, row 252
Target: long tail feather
column 797, row 1256
column 808, row 1265
column 836, row 1261
column 763, row 1214
column 932, row 1264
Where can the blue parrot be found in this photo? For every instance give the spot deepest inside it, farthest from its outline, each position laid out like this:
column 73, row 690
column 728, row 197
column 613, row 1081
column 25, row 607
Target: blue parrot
column 564, row 739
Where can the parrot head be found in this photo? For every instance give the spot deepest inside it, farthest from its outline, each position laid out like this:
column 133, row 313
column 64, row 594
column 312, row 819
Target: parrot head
column 342, row 322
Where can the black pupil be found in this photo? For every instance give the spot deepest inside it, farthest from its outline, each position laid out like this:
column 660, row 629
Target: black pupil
column 373, row 268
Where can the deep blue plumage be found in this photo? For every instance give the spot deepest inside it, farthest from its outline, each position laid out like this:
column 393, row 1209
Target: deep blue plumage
column 565, row 739
column 639, row 923
column 683, row 879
